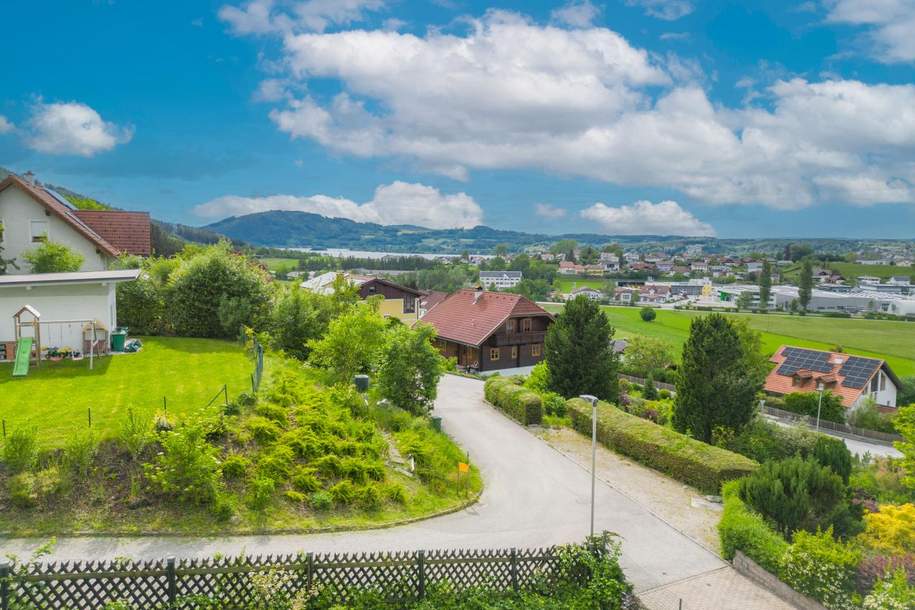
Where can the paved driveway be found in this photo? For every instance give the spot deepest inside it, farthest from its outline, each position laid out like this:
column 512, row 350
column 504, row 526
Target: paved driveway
column 534, row 496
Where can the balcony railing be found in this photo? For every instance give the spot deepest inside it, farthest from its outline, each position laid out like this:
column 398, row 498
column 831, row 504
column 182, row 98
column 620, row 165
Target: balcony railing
column 520, row 338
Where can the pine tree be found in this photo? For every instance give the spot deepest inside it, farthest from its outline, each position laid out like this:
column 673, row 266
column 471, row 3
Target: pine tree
column 765, row 285
column 578, row 352
column 715, row 387
column 805, row 286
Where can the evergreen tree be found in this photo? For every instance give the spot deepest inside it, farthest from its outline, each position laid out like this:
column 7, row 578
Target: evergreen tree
column 715, row 386
column 765, row 285
column 578, row 352
column 649, row 392
column 805, row 286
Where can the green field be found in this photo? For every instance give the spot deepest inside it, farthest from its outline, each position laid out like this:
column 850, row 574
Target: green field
column 278, row 264
column 568, row 284
column 850, row 271
column 889, row 340
column 56, row 397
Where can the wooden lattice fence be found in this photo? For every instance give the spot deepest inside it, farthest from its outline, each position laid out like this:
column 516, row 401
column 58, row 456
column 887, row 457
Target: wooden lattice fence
column 172, row 583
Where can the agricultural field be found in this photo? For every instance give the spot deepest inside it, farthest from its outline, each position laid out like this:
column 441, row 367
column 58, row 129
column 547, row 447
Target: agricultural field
column 56, row 397
column 279, row 264
column 568, row 284
column 850, row 271
column 890, row 340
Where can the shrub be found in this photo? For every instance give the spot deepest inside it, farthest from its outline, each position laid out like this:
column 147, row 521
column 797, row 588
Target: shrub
column 261, row 492
column 867, row 417
column 894, row 592
column 410, row 368
column 765, row 441
column 703, row 466
column 79, row 453
column 821, row 567
column 304, row 480
column 369, row 497
column 222, row 508
column 554, row 404
column 539, row 379
column 276, row 463
column 187, row 467
column 806, row 403
column 664, row 394
column 514, row 400
column 136, row 432
column 649, row 392
column 31, row 489
column 52, row 257
column 235, row 466
column 272, row 412
column 321, row 501
column 141, row 305
column 264, row 431
column 296, row 497
column 20, row 451
column 647, row 314
column 343, row 493
column 741, row 529
column 891, row 529
column 797, row 494
column 832, row 453
column 875, row 567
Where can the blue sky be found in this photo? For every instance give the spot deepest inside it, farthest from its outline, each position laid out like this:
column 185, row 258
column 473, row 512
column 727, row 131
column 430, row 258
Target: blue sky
column 739, row 119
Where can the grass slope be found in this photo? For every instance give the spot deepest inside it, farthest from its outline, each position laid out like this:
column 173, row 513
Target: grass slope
column 568, row 284
column 889, row 340
column 56, row 396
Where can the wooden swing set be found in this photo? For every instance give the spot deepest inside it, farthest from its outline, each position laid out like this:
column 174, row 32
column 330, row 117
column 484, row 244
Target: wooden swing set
column 34, row 323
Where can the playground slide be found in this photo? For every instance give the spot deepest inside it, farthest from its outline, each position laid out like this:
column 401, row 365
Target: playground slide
column 23, row 356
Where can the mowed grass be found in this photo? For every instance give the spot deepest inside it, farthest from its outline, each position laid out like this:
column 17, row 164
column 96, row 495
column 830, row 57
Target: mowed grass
column 568, row 284
column 279, row 264
column 889, row 340
column 850, row 271
column 56, row 397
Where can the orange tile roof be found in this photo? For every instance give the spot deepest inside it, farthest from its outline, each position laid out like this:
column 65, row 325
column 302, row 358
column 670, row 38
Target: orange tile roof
column 467, row 318
column 806, row 379
column 129, row 232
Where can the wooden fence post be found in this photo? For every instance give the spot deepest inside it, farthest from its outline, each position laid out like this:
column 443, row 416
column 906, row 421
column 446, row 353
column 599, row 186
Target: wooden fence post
column 172, row 576
column 421, row 566
column 515, row 585
column 225, row 394
column 4, row 586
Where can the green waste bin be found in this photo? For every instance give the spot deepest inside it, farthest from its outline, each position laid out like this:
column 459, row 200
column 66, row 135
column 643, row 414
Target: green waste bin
column 118, row 338
column 437, row 423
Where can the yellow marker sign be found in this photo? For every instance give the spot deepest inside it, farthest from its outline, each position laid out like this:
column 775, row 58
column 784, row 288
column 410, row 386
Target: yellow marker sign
column 463, row 467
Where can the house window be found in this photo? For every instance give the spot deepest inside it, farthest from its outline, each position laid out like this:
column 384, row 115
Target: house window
column 526, row 325
column 510, row 326
column 494, row 353
column 38, row 230
column 882, row 382
column 874, row 384
column 514, row 352
column 536, row 350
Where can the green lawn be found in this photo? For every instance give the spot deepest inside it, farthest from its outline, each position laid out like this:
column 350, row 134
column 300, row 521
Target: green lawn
column 850, row 271
column 889, row 340
column 277, row 264
column 567, row 284
column 56, row 397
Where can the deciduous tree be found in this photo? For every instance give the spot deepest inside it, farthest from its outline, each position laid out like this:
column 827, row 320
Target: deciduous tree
column 52, row 257
column 410, row 368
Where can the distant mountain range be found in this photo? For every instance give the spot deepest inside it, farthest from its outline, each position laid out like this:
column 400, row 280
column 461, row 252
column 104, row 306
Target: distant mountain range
column 285, row 229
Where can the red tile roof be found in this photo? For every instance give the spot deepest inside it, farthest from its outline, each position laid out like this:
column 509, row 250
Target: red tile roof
column 806, row 380
column 129, row 232
column 464, row 317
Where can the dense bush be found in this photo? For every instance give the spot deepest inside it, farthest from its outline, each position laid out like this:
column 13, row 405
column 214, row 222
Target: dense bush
column 703, row 466
column 648, row 314
column 300, row 316
column 20, row 449
column 141, row 305
column 797, row 494
column 410, row 368
column 891, row 529
column 352, row 345
column 514, row 400
column 806, row 403
column 765, row 441
column 52, row 257
column 741, row 529
column 821, row 567
column 832, row 453
column 187, row 468
column 893, row 592
column 868, row 417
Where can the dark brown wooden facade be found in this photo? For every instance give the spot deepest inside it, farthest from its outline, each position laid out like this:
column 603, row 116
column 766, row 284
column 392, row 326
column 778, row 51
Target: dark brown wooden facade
column 518, row 342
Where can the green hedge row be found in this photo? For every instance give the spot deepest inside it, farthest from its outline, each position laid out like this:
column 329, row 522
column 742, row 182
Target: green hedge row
column 517, row 402
column 703, row 466
column 741, row 529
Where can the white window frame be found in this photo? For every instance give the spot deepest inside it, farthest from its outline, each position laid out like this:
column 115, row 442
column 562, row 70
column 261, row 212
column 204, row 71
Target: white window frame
column 47, row 233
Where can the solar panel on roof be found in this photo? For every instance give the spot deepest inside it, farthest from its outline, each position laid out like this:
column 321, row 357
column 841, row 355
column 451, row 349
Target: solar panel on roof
column 857, row 371
column 60, row 198
column 797, row 359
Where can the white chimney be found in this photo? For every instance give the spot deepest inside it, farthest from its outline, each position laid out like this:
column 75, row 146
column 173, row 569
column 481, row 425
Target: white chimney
column 29, row 177
column 477, row 294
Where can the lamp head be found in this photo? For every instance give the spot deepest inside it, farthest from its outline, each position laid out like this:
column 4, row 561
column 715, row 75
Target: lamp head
column 591, row 399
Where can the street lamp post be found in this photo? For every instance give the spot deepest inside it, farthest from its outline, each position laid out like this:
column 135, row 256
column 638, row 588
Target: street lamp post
column 593, row 401
column 820, row 388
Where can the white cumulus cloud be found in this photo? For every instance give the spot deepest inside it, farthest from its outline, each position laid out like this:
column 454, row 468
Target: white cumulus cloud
column 392, row 204
column 576, row 13
column 72, row 128
column 647, row 218
column 5, row 125
column 268, row 16
column 890, row 25
column 668, row 10
column 550, row 212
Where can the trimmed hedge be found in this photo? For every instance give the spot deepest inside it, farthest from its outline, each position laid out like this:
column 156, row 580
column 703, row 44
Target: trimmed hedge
column 703, row 466
column 741, row 529
column 516, row 401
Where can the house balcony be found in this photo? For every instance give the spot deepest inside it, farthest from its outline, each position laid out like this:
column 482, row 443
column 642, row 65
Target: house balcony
column 520, row 338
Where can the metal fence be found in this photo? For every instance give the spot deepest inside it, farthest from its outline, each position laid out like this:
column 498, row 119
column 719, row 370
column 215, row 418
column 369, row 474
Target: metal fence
column 233, row 582
column 882, row 438
column 658, row 384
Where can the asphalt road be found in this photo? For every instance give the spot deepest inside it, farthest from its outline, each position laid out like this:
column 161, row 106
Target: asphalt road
column 857, row 447
column 534, row 496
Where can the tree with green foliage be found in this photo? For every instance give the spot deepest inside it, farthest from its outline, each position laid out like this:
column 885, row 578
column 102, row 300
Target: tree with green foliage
column 501, row 250
column 578, row 352
column 352, row 344
column 765, row 285
column 715, row 388
column 645, row 354
column 213, row 291
column 410, row 368
column 798, row 494
column 648, row 314
column 905, row 425
column 566, row 247
column 589, row 255
column 832, row 453
column 751, row 341
column 298, row 317
column 744, row 300
column 649, row 392
column 805, row 284
column 906, row 392
column 51, row 257
column 5, row 263
column 535, row 290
